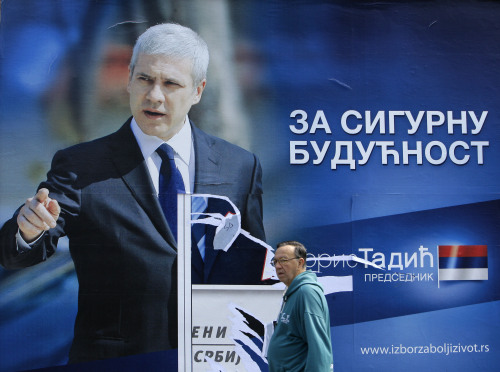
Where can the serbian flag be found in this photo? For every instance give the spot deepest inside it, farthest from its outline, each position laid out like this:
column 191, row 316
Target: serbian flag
column 463, row 262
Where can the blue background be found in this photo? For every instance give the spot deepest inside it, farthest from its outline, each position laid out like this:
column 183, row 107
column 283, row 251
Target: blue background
column 311, row 55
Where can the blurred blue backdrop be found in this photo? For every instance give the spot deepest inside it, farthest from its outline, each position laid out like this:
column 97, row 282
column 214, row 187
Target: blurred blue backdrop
column 63, row 75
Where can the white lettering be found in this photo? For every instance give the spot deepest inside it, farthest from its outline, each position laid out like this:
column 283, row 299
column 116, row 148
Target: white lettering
column 453, row 158
column 378, row 120
column 434, row 123
column 415, row 123
column 428, row 155
column 349, row 160
column 478, row 123
column 298, row 156
column 320, row 153
column 395, row 257
column 301, row 120
column 343, row 122
column 417, row 152
column 365, row 153
column 462, row 122
column 423, row 253
column 320, row 123
column 386, row 152
column 480, row 145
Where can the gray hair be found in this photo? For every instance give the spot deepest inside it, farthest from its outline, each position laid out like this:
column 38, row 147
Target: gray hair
column 176, row 41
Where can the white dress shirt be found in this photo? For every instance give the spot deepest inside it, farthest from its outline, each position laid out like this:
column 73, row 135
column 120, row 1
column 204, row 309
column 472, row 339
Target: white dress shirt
column 182, row 143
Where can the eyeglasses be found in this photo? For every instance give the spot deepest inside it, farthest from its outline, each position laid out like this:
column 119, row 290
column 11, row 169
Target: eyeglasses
column 281, row 261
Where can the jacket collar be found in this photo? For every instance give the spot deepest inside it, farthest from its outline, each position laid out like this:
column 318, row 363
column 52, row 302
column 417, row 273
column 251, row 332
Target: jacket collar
column 131, row 166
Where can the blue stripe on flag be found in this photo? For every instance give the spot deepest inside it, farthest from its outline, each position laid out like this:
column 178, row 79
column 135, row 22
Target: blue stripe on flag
column 463, row 262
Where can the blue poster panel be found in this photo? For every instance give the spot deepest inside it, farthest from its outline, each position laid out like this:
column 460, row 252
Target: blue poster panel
column 375, row 133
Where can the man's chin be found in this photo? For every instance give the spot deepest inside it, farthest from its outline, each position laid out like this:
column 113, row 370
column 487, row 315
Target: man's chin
column 158, row 128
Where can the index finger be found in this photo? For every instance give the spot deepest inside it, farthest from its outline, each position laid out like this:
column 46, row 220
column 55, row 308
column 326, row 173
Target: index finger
column 42, row 196
column 39, row 205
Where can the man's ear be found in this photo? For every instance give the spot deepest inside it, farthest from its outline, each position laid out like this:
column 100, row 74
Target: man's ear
column 199, row 91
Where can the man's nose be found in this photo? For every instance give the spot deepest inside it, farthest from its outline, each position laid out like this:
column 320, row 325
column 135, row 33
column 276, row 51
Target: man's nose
column 155, row 94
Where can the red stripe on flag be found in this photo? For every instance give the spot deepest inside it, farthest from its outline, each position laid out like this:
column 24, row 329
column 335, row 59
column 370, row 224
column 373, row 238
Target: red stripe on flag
column 463, row 250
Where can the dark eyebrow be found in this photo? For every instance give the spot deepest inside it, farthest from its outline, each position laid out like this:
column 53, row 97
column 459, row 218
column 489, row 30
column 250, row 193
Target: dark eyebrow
column 143, row 74
column 168, row 80
column 172, row 80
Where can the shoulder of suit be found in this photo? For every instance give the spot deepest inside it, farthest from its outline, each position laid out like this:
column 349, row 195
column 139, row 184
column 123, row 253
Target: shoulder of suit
column 222, row 145
column 101, row 142
column 83, row 154
column 98, row 152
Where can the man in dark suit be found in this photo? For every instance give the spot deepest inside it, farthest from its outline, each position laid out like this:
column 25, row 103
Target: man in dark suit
column 103, row 195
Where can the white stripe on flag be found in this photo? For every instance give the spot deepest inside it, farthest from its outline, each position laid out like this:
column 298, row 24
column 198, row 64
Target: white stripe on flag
column 463, row 274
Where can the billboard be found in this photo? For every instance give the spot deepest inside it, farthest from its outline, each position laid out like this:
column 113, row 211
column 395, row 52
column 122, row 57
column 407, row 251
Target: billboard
column 376, row 125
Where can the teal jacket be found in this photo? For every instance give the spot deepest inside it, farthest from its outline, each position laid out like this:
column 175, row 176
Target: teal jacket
column 301, row 340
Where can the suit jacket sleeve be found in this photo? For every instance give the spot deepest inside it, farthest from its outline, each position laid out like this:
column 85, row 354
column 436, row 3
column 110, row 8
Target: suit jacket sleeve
column 59, row 183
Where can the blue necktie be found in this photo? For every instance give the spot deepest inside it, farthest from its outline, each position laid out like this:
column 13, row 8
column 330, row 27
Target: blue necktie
column 169, row 185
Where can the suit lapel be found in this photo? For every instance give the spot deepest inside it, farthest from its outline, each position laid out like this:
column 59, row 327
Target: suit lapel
column 128, row 159
column 207, row 170
column 207, row 181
